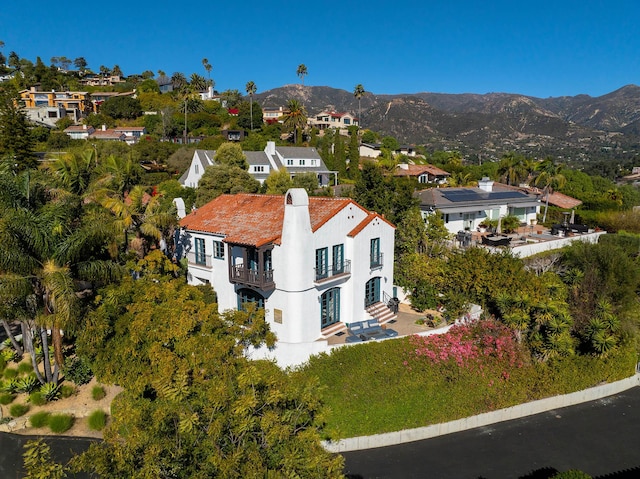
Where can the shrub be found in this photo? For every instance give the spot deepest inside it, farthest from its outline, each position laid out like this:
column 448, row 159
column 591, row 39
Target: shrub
column 50, row 391
column 3, row 363
column 6, row 398
column 78, row 371
column 27, row 384
column 18, row 410
column 572, row 474
column 98, row 393
column 10, row 373
column 60, row 423
column 97, row 420
column 8, row 354
column 39, row 419
column 25, row 368
column 37, row 398
column 67, row 390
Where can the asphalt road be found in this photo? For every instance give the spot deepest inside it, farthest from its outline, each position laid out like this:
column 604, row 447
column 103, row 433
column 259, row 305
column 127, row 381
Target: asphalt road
column 601, row 438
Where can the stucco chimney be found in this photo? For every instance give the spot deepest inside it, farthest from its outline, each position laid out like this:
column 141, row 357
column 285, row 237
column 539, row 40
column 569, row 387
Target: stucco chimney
column 270, row 149
column 485, row 184
column 104, row 127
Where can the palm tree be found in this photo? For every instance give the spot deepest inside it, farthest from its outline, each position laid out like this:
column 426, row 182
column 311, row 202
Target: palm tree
column 302, row 72
column 198, row 82
column 512, row 168
column 296, row 117
column 359, row 92
column 207, row 66
column 549, row 177
column 48, row 244
column 251, row 89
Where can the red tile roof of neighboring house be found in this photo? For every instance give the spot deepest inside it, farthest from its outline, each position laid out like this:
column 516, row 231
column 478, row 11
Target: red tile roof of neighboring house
column 562, row 201
column 417, row 170
column 256, row 220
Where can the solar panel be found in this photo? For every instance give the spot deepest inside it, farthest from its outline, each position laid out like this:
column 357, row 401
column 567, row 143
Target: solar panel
column 461, row 195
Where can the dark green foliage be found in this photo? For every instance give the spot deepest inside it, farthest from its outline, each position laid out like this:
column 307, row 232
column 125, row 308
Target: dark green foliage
column 17, row 410
column 98, row 393
column 124, row 107
column 60, row 423
column 40, row 419
column 51, row 391
column 16, row 143
column 27, row 384
column 10, row 373
column 218, row 180
column 78, row 371
column 6, row 398
column 97, row 420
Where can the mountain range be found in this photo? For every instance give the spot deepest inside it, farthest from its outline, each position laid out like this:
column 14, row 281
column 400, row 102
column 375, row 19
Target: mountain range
column 573, row 128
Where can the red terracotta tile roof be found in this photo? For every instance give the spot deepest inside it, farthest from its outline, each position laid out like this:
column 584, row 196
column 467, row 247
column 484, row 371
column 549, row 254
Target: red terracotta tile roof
column 563, row 201
column 256, row 220
column 417, row 170
column 370, row 217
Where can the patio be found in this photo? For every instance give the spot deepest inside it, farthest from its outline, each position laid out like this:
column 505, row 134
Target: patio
column 404, row 324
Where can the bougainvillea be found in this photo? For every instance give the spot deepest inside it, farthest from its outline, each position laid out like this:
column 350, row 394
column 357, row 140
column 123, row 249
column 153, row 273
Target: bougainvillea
column 471, row 346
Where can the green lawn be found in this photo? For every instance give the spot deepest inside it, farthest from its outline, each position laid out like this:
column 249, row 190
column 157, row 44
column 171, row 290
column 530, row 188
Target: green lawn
column 378, row 387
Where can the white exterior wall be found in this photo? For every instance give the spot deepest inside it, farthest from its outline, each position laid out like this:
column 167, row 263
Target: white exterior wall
column 457, row 223
column 297, row 295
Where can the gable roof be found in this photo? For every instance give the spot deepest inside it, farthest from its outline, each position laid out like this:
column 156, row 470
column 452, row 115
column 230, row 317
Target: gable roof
column 256, row 220
column 417, row 170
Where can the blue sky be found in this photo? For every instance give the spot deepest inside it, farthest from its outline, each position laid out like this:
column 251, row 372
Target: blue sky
column 538, row 48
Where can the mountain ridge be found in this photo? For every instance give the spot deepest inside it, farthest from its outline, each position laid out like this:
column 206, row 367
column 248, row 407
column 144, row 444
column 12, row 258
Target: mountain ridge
column 578, row 127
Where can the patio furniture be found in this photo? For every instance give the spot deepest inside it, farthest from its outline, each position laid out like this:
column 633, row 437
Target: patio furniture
column 367, row 330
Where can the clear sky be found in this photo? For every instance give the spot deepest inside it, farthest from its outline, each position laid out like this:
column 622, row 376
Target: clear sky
column 539, row 48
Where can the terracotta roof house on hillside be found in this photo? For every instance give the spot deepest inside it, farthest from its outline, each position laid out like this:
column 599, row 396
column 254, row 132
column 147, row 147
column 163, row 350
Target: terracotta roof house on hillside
column 314, row 264
column 423, row 173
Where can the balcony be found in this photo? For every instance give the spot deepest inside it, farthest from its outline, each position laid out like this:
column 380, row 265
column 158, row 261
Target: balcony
column 326, row 274
column 201, row 260
column 240, row 274
column 376, row 261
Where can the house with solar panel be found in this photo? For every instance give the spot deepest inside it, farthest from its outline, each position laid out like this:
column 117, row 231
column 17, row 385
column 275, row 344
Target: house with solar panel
column 294, row 159
column 315, row 264
column 464, row 209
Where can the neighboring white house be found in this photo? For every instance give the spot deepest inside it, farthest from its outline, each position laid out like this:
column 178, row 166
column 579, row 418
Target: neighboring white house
column 331, row 119
column 295, row 159
column 466, row 208
column 314, row 264
column 374, row 150
column 79, row 132
column 132, row 134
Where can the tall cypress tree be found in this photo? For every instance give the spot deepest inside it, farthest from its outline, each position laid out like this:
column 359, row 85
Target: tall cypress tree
column 16, row 143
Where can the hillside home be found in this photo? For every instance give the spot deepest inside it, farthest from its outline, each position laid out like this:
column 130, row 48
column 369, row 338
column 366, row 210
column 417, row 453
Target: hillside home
column 101, row 80
column 374, row 150
column 314, row 264
column 107, row 134
column 466, row 208
column 422, row 173
column 79, row 132
column 132, row 134
column 47, row 107
column 272, row 114
column 295, row 159
column 331, row 119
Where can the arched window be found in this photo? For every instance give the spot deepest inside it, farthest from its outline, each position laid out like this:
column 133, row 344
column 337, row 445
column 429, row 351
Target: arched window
column 330, row 307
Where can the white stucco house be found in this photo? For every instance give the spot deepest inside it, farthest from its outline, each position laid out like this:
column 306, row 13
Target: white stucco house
column 314, row 264
column 466, row 208
column 295, row 159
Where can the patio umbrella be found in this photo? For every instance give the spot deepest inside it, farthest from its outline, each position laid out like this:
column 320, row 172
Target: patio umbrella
column 573, row 217
column 499, row 227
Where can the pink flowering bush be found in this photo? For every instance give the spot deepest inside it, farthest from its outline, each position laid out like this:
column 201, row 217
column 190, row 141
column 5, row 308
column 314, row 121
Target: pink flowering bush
column 473, row 346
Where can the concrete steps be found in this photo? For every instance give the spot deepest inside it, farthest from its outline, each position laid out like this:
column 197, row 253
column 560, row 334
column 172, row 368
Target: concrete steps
column 381, row 312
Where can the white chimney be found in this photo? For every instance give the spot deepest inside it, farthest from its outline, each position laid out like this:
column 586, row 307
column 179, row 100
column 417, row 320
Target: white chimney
column 485, row 184
column 104, row 127
column 270, row 149
column 403, row 166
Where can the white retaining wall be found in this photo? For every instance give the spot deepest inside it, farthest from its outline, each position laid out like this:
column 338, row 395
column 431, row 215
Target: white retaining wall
column 514, row 412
